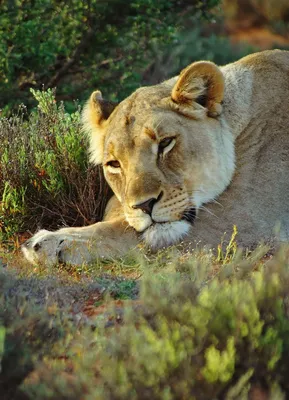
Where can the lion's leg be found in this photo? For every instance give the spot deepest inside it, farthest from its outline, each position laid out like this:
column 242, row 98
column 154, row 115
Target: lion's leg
column 108, row 239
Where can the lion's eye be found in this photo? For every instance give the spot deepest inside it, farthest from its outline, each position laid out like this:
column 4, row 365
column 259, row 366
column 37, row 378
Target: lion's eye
column 166, row 144
column 113, row 164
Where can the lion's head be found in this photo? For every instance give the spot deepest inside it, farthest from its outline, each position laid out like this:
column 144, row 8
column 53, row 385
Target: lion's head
column 165, row 150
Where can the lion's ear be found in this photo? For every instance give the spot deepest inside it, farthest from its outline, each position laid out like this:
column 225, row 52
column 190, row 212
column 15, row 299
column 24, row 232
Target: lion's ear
column 97, row 110
column 94, row 114
column 200, row 84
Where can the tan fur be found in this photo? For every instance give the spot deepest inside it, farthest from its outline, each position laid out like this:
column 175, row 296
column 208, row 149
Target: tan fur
column 214, row 139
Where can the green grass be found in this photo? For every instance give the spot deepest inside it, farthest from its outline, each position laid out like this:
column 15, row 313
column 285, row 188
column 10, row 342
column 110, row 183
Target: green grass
column 176, row 327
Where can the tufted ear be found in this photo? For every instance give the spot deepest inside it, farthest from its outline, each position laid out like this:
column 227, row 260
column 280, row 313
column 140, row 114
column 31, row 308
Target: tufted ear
column 200, row 85
column 94, row 115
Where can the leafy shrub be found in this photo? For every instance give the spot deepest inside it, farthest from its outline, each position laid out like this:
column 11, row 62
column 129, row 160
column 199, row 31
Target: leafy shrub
column 78, row 46
column 45, row 175
column 187, row 339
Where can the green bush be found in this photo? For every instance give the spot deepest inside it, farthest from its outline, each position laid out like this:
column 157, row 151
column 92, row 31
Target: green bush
column 217, row 338
column 79, row 46
column 45, row 175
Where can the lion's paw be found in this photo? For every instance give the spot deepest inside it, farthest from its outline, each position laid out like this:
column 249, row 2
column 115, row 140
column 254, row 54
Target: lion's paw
column 54, row 247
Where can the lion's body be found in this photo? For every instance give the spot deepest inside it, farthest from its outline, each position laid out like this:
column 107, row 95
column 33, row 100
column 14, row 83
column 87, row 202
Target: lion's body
column 257, row 200
column 214, row 142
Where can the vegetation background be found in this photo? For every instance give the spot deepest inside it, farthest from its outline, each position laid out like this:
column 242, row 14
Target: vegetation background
column 53, row 54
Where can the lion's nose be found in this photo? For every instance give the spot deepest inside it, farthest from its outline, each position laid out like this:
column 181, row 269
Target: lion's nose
column 146, row 206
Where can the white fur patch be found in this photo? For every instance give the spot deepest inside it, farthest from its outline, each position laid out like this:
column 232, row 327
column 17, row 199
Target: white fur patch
column 165, row 234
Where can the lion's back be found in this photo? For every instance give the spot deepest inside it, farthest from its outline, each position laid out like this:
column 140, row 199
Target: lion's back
column 268, row 60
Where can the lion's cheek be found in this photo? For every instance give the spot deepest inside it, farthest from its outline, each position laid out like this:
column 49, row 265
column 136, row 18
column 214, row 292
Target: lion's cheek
column 116, row 185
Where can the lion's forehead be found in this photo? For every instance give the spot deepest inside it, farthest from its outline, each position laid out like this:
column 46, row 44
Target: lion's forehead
column 139, row 107
column 132, row 113
column 128, row 146
column 140, row 132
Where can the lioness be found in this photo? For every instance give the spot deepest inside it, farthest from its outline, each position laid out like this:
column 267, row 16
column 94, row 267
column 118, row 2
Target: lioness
column 187, row 159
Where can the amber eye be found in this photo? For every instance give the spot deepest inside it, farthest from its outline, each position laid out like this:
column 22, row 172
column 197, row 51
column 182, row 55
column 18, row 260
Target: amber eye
column 113, row 164
column 165, row 143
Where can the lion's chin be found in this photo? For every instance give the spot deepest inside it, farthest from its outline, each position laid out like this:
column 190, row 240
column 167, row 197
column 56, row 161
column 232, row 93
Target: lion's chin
column 164, row 234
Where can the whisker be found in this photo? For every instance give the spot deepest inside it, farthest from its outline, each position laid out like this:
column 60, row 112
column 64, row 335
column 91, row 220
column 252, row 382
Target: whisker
column 217, row 202
column 208, row 211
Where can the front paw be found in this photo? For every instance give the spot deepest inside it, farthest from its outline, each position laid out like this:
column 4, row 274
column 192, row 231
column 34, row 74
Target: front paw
column 103, row 240
column 44, row 247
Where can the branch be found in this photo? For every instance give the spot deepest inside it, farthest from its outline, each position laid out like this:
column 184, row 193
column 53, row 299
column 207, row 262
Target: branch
column 71, row 61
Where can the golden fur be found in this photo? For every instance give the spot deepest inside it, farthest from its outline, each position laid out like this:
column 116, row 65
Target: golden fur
column 187, row 159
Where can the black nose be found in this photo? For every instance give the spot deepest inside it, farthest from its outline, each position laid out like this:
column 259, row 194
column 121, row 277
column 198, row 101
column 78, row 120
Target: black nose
column 146, row 206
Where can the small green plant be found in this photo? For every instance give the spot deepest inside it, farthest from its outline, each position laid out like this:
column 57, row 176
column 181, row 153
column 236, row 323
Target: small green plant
column 13, row 209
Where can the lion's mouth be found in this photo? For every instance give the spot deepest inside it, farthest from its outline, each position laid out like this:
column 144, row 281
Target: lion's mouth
column 190, row 215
